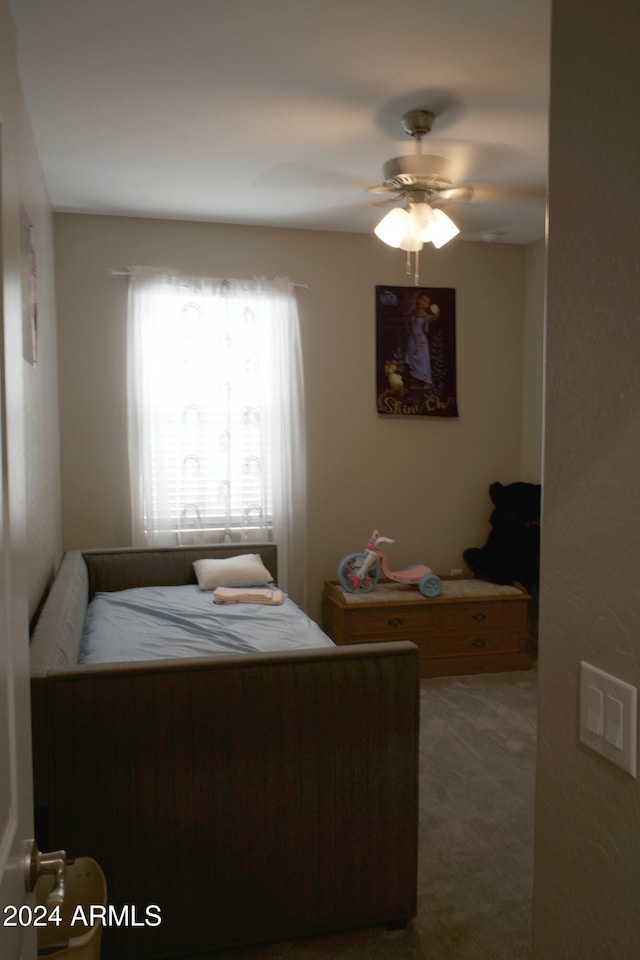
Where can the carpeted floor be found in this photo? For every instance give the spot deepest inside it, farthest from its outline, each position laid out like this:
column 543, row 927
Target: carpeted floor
column 477, row 777
column 477, row 781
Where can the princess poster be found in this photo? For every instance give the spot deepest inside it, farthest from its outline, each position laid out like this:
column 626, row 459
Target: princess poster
column 416, row 351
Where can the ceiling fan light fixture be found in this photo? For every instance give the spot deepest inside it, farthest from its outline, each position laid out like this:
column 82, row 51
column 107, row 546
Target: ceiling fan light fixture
column 442, row 229
column 422, row 220
column 411, row 241
column 393, row 227
column 417, row 179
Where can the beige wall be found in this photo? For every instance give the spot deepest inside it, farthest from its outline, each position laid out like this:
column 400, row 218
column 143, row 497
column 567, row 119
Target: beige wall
column 42, row 434
column 32, row 429
column 587, row 865
column 421, row 481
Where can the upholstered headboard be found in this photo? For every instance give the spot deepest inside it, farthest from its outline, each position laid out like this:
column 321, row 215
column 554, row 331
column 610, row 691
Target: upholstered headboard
column 58, row 631
column 171, row 566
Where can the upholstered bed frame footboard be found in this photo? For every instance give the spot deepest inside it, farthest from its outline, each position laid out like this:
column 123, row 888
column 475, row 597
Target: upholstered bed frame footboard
column 251, row 798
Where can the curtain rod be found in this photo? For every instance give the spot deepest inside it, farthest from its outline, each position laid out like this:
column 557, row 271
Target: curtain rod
column 127, row 273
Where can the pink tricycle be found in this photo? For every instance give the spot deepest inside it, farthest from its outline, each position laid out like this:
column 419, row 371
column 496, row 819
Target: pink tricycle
column 359, row 572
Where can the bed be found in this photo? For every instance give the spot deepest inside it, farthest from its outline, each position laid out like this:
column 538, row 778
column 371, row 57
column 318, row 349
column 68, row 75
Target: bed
column 252, row 796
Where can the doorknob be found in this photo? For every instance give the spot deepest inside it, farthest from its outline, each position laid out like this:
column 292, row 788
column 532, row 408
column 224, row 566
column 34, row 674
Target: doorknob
column 40, row 865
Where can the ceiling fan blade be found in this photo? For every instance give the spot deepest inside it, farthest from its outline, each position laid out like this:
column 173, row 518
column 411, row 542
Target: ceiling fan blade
column 390, row 194
column 294, row 175
column 466, row 192
column 501, row 192
column 386, row 200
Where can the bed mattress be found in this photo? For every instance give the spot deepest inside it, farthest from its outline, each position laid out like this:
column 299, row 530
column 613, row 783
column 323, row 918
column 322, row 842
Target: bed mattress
column 154, row 623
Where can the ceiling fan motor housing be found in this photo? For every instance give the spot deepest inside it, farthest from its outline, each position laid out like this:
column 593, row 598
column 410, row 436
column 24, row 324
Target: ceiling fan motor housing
column 418, row 171
column 417, row 123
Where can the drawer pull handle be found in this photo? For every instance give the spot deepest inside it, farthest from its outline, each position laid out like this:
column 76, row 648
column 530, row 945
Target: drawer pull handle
column 479, row 643
column 478, row 616
column 395, row 622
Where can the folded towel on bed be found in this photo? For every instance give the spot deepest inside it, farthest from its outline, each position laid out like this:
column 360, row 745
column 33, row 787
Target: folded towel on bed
column 247, row 595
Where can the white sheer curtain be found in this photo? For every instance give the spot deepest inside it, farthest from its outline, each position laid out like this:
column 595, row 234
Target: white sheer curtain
column 216, row 415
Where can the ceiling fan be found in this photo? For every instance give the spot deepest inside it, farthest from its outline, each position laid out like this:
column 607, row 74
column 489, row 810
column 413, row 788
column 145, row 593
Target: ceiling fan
column 418, row 180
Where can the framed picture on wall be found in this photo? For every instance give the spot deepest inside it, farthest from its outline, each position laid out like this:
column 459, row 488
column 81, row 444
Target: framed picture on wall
column 29, row 292
column 416, row 351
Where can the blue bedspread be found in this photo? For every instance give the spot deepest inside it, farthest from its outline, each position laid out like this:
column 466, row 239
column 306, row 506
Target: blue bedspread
column 152, row 623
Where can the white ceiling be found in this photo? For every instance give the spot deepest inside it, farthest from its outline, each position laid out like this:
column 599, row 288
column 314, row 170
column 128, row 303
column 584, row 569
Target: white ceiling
column 283, row 112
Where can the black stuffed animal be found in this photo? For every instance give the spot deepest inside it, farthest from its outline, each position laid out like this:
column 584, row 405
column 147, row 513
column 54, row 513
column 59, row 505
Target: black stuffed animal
column 512, row 550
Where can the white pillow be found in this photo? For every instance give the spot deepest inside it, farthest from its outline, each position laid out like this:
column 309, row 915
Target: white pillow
column 246, row 570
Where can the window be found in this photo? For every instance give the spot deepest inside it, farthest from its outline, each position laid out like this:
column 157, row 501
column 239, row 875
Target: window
column 216, row 433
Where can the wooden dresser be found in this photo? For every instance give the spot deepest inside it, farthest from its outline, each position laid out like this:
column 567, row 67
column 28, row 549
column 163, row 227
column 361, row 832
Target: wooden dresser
column 473, row 627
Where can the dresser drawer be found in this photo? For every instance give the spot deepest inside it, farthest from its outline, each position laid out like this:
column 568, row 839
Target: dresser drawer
column 470, row 644
column 478, row 616
column 386, row 622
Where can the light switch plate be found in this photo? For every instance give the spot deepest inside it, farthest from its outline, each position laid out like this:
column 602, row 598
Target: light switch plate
column 609, row 716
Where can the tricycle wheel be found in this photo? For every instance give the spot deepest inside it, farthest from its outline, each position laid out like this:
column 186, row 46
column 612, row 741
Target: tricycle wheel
column 348, row 570
column 430, row 586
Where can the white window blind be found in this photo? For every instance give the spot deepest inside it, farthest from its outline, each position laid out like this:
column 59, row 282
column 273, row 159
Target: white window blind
column 216, row 434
